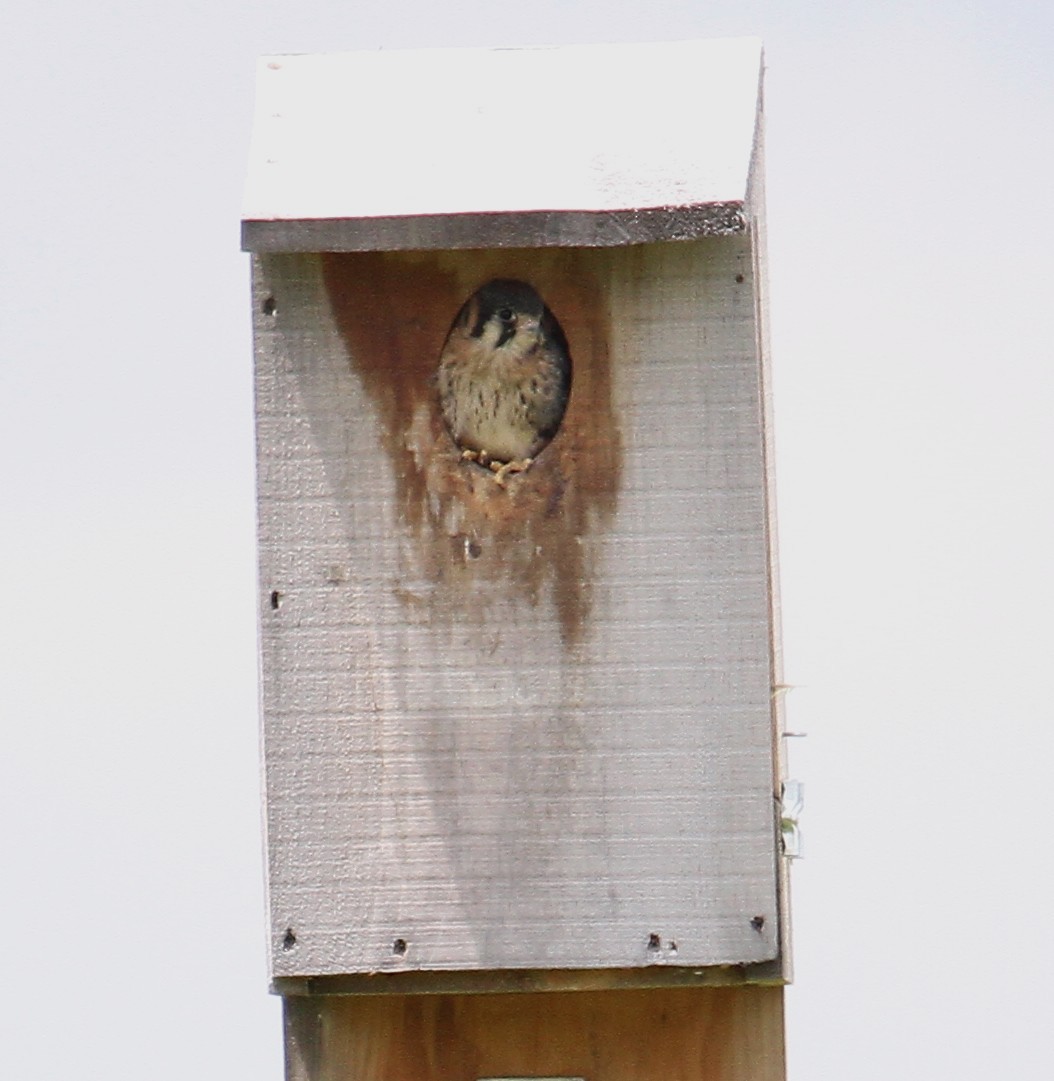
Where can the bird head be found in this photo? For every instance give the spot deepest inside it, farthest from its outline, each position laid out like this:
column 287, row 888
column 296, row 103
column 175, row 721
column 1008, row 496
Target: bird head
column 505, row 314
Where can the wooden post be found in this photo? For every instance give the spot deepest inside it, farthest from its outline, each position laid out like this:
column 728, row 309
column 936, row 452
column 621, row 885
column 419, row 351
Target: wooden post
column 672, row 1034
column 521, row 739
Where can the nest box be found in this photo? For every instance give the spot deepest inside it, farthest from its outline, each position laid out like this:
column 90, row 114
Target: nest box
column 519, row 730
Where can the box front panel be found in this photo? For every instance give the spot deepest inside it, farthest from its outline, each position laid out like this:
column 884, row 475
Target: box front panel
column 524, row 726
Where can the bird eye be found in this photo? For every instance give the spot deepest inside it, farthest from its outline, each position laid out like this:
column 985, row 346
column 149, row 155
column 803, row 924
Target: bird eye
column 506, row 315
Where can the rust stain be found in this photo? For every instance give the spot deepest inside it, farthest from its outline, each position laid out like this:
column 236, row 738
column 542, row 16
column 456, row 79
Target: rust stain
column 530, row 538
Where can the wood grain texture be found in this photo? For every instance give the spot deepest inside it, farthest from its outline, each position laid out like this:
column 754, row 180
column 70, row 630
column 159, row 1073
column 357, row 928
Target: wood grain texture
column 522, row 229
column 697, row 1034
column 485, row 148
column 528, row 728
column 471, row 981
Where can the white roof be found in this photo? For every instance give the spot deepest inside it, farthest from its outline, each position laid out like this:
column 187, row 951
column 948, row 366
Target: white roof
column 596, row 144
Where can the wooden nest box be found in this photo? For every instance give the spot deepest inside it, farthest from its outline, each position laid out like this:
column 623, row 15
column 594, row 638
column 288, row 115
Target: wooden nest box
column 519, row 730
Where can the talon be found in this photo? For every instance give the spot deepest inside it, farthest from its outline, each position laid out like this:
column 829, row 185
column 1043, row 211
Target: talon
column 480, row 456
column 500, row 470
column 520, row 465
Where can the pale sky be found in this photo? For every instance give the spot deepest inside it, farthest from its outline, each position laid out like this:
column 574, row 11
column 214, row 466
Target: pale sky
column 909, row 159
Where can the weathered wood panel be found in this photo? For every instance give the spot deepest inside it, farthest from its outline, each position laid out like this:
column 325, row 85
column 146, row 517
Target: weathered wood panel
column 697, row 1034
column 487, row 148
column 529, row 727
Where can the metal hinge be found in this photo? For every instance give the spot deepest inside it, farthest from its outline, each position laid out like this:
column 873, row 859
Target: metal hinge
column 792, row 800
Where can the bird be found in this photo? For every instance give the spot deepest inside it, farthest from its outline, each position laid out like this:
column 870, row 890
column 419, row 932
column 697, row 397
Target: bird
column 504, row 377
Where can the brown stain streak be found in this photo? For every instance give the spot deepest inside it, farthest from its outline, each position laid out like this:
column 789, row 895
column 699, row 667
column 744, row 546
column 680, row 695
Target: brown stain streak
column 393, row 311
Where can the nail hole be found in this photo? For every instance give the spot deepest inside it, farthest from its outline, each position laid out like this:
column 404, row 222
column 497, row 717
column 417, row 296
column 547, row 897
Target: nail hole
column 757, row 922
column 672, row 946
column 474, row 549
column 276, row 599
column 399, row 947
column 288, row 939
column 654, row 942
column 269, row 306
column 740, row 279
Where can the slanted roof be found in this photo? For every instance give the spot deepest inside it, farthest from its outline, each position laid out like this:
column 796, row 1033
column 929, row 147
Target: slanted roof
column 466, row 148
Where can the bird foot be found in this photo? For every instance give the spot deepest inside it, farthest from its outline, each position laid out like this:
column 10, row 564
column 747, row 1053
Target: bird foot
column 519, row 465
column 499, row 470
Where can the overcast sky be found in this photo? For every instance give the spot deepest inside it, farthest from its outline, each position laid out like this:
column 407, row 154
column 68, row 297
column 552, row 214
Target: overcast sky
column 909, row 169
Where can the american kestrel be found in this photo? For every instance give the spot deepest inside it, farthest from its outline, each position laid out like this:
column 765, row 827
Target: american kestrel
column 504, row 377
